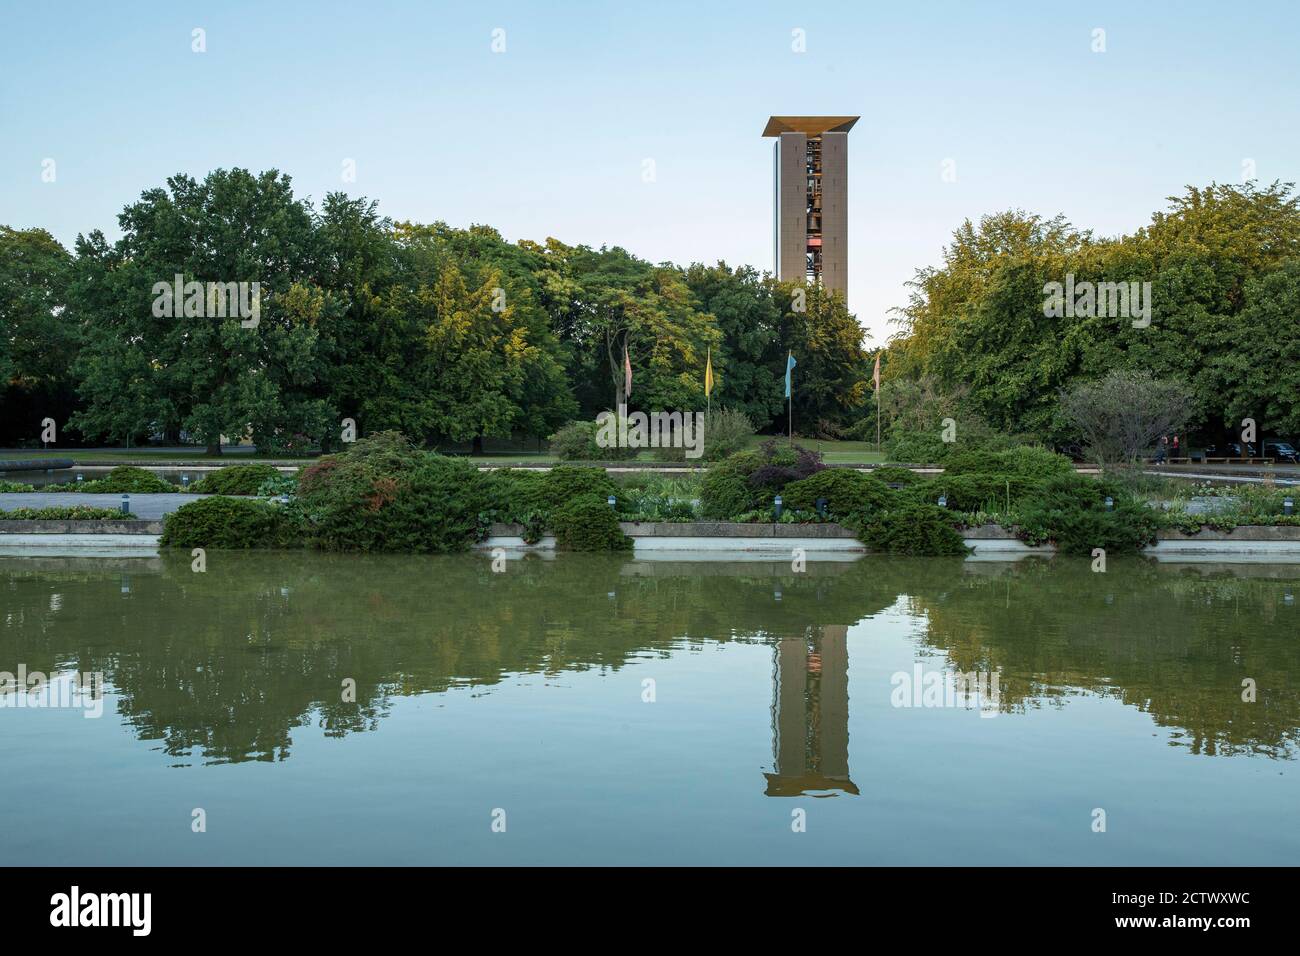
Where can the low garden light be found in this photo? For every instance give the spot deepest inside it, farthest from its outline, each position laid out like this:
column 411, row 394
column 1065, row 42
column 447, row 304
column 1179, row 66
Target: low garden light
column 943, row 501
column 1110, row 503
column 79, row 477
column 821, row 507
column 126, row 503
column 776, row 507
column 611, row 502
column 185, row 481
column 1288, row 506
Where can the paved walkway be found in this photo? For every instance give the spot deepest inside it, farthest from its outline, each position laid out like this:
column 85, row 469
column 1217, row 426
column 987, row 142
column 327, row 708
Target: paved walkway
column 142, row 506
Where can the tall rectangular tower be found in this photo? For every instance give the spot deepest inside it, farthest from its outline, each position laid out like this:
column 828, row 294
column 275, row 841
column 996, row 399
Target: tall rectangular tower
column 810, row 198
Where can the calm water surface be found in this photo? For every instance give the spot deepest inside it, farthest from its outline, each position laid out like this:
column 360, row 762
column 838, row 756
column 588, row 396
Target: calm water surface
column 645, row 712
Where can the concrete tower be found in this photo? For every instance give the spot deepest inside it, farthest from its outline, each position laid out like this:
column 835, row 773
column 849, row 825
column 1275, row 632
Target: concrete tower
column 810, row 198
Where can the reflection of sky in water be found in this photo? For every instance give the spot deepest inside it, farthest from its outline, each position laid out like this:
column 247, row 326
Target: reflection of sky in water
column 528, row 690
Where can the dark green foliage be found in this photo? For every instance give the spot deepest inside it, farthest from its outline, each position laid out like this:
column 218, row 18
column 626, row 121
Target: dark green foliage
column 748, row 480
column 386, row 497
column 564, row 483
column 724, row 493
column 1026, row 461
column 847, row 492
column 725, row 433
column 516, row 494
column 71, row 513
column 576, row 441
column 587, row 523
column 9, row 487
column 123, row 478
column 235, row 480
column 1070, row 512
column 972, row 492
column 919, row 447
column 230, row 523
column 909, row 527
column 892, row 474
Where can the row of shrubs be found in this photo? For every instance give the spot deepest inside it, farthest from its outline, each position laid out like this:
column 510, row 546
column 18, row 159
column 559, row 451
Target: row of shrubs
column 894, row 509
column 383, row 494
column 246, row 479
column 72, row 513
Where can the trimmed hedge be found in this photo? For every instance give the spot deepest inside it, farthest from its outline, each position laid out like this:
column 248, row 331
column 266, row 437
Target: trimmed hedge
column 235, row 480
column 69, row 513
column 893, row 474
column 972, row 492
column 14, row 487
column 1024, row 461
column 909, row 527
column 232, row 524
column 123, row 478
column 847, row 492
column 588, row 523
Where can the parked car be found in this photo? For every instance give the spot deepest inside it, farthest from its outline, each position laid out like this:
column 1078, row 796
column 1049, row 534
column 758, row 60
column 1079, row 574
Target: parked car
column 1281, row 451
column 1232, row 449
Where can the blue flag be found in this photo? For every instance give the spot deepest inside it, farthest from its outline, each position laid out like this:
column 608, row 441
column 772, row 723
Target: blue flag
column 789, row 366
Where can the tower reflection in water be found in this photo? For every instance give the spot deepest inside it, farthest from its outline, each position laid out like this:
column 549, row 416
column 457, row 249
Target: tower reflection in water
column 810, row 714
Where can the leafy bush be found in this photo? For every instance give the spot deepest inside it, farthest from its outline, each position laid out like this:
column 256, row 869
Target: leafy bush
column 122, row 479
column 515, row 495
column 909, row 527
column 70, row 513
column 1025, row 461
column 13, row 487
column 725, row 433
column 230, row 523
column 926, row 446
column 649, row 496
column 1070, row 511
column 892, row 474
column 972, row 492
column 576, row 441
column 587, row 523
column 918, row 447
column 748, row 480
column 278, row 485
column 847, row 492
column 235, row 480
column 383, row 495
column 563, row 483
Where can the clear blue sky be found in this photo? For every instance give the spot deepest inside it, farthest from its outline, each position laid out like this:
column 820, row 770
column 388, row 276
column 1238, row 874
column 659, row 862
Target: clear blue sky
column 549, row 137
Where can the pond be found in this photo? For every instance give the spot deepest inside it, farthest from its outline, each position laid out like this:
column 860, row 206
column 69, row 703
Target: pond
column 328, row 709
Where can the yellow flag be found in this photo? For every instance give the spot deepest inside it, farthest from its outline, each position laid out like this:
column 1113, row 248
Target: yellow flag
column 708, row 374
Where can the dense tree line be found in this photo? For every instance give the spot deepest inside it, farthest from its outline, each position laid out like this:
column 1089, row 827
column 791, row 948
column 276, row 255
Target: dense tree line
column 1223, row 265
column 448, row 335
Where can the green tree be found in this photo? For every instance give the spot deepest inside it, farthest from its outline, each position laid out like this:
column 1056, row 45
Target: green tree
column 37, row 337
